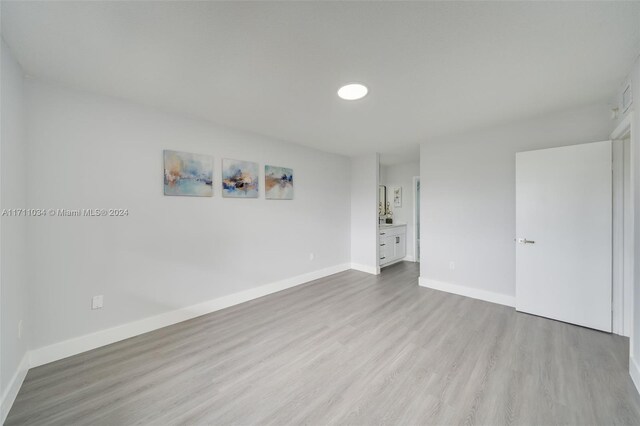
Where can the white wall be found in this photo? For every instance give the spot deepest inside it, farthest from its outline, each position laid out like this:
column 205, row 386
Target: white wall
column 364, row 213
column 88, row 151
column 468, row 199
column 13, row 230
column 401, row 175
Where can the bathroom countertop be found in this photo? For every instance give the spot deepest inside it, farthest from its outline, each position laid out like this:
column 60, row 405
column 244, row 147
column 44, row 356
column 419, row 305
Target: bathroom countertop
column 390, row 225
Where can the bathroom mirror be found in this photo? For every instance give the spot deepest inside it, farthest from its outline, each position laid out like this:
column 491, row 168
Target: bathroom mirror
column 382, row 198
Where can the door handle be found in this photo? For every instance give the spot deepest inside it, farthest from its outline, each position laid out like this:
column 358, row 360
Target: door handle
column 524, row 241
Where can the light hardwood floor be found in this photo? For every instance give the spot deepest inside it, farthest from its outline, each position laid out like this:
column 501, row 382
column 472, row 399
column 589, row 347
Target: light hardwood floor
column 348, row 349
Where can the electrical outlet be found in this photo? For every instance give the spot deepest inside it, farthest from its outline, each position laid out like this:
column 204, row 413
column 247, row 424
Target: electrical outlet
column 97, row 302
column 452, row 265
column 19, row 329
column 312, row 256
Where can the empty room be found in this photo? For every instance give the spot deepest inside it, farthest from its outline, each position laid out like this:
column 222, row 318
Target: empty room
column 319, row 213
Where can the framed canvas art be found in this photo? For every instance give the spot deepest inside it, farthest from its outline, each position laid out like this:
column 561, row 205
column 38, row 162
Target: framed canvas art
column 239, row 179
column 278, row 183
column 188, row 174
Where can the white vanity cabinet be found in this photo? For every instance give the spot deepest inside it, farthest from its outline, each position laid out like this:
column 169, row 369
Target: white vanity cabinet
column 393, row 244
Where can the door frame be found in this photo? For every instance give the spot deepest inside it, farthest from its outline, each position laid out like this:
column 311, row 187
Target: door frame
column 416, row 219
column 623, row 254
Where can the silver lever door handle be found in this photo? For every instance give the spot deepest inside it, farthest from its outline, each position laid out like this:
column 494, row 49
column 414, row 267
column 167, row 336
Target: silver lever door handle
column 524, row 241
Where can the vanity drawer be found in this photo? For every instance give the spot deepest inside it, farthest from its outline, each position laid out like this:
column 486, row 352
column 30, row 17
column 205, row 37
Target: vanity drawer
column 396, row 230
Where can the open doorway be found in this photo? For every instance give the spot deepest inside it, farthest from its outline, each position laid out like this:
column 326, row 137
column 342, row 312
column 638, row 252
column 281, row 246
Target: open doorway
column 398, row 218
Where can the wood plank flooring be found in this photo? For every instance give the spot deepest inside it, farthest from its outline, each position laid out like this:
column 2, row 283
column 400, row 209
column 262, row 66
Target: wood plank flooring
column 351, row 348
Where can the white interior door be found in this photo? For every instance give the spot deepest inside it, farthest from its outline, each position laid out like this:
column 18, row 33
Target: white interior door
column 564, row 231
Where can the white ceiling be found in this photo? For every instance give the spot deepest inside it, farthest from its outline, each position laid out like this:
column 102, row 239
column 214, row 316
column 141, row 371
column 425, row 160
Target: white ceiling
column 274, row 68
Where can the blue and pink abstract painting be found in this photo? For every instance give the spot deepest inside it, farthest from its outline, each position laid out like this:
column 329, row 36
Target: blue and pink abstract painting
column 188, row 174
column 239, row 179
column 278, row 183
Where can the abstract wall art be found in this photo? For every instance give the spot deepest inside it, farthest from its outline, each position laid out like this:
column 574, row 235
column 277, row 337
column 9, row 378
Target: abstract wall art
column 239, row 179
column 278, row 183
column 188, row 174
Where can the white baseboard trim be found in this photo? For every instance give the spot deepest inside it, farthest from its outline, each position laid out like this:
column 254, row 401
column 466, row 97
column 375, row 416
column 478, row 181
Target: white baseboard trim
column 409, row 259
column 634, row 372
column 474, row 293
column 10, row 393
column 100, row 338
column 364, row 268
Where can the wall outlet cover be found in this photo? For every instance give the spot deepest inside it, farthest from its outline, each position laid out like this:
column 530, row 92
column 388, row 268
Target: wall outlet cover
column 97, row 302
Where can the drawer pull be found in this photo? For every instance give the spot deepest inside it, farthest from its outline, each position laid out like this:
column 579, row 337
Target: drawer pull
column 382, row 258
column 382, row 245
column 382, row 233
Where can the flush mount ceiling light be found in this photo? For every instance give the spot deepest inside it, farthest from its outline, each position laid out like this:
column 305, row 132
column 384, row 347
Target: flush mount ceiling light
column 351, row 92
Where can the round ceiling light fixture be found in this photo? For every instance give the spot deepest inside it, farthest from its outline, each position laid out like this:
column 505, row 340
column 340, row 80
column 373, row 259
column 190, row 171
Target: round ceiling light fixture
column 353, row 91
